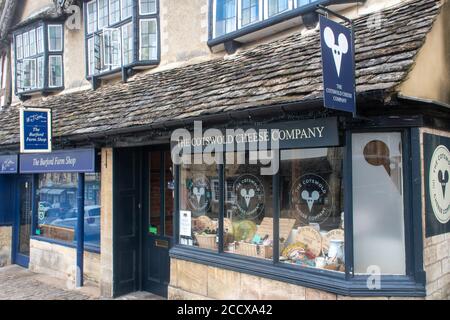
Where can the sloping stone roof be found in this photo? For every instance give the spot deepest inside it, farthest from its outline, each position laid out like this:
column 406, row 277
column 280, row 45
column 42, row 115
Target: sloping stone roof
column 282, row 71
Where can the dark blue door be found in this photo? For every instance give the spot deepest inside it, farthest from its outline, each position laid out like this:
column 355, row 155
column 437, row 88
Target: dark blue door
column 23, row 221
column 158, row 217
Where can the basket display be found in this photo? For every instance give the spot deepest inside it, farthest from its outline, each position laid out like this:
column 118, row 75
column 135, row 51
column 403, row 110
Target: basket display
column 254, row 250
column 206, row 241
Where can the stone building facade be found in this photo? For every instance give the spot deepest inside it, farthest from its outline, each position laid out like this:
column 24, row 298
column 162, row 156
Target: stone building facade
column 194, row 68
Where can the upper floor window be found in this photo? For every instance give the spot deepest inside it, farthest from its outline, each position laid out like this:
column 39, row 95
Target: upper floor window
column 38, row 48
column 120, row 33
column 231, row 15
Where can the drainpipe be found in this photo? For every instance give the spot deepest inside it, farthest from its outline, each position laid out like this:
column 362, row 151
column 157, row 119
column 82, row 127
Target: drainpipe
column 80, row 230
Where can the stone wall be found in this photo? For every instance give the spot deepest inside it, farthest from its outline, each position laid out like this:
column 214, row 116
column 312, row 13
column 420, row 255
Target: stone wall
column 193, row 281
column 5, row 245
column 106, row 232
column 436, row 255
column 60, row 262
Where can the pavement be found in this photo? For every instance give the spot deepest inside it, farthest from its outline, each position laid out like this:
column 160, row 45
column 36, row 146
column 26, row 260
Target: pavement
column 17, row 283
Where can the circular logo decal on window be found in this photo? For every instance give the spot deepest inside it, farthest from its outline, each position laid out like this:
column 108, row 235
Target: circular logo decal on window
column 311, row 198
column 249, row 196
column 199, row 196
column 439, row 183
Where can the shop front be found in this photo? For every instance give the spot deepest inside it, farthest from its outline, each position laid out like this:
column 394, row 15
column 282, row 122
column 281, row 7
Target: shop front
column 332, row 211
column 48, row 194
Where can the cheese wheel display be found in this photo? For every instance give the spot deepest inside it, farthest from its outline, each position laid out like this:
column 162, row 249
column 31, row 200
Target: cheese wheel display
column 311, row 238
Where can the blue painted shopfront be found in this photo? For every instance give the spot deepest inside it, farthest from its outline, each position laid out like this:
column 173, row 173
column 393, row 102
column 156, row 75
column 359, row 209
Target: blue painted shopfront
column 51, row 197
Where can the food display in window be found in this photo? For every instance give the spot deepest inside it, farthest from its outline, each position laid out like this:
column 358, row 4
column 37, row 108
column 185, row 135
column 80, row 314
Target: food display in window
column 259, row 242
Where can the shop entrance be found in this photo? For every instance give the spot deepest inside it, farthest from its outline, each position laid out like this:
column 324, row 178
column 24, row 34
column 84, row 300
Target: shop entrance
column 23, row 221
column 143, row 213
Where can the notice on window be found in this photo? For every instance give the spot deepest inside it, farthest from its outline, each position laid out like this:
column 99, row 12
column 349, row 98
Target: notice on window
column 185, row 223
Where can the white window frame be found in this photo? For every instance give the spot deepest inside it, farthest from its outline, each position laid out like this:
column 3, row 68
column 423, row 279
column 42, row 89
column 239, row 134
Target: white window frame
column 266, row 9
column 18, row 57
column 119, row 42
column 98, row 16
column 215, row 18
column 32, row 81
column 122, row 15
column 110, row 15
column 39, row 84
column 50, row 49
column 50, row 71
column 260, row 14
column 94, row 2
column 26, row 46
column 140, row 38
column 32, row 36
column 122, row 40
column 40, row 31
column 91, row 57
column 147, row 13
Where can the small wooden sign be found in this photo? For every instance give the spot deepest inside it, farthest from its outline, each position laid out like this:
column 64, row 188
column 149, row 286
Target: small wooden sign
column 335, row 234
column 266, row 228
column 311, row 238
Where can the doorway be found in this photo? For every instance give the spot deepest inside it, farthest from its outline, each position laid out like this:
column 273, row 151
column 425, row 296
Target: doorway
column 23, row 221
column 143, row 219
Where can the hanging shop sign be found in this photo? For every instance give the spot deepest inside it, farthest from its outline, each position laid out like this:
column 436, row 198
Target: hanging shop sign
column 338, row 63
column 75, row 160
column 8, row 164
column 35, row 130
column 437, row 184
column 322, row 132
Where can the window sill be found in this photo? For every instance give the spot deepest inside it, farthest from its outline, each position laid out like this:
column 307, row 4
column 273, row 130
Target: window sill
column 88, row 248
column 400, row 286
column 33, row 92
column 116, row 71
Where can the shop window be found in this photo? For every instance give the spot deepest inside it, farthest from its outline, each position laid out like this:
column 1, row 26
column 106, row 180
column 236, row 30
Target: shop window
column 112, row 43
column 32, row 58
column 248, row 220
column 57, row 207
column 311, row 218
column 199, row 214
column 378, row 209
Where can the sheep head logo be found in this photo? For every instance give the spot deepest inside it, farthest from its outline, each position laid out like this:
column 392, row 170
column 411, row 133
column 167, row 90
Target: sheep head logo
column 338, row 50
column 310, row 198
column 247, row 195
column 198, row 192
column 443, row 179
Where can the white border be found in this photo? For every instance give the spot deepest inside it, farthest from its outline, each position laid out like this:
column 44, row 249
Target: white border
column 49, row 130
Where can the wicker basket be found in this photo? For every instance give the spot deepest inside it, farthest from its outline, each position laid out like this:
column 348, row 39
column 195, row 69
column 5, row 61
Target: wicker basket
column 254, row 250
column 206, row 241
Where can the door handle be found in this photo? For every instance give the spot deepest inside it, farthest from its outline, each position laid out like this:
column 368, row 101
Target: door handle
column 162, row 244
